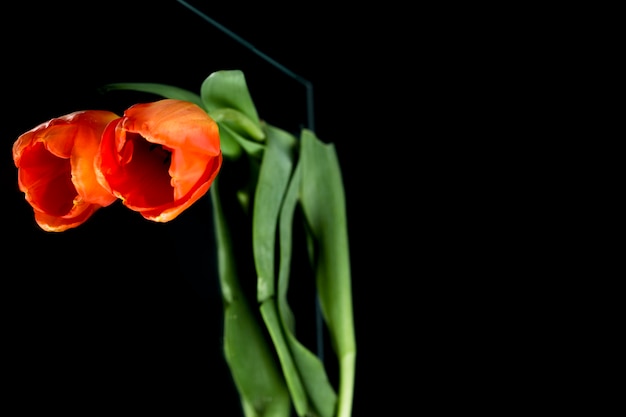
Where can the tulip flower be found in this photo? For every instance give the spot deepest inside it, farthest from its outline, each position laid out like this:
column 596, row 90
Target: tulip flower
column 55, row 162
column 160, row 157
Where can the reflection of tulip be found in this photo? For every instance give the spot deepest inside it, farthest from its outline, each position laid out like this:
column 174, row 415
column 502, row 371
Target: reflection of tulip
column 56, row 171
column 160, row 157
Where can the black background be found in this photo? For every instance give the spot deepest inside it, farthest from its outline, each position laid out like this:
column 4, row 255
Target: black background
column 122, row 313
column 426, row 109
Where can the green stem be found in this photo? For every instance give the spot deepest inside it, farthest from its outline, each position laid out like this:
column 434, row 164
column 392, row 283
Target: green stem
column 347, row 367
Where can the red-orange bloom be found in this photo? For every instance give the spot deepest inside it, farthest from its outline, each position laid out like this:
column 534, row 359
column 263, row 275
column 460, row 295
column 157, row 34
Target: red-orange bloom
column 56, row 171
column 160, row 157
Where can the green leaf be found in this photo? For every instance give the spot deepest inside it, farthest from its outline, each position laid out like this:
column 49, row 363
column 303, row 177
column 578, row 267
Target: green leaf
column 239, row 122
column 258, row 379
column 228, row 89
column 321, row 395
column 323, row 203
column 252, row 366
column 292, row 377
column 164, row 90
column 274, row 178
column 233, row 138
column 274, row 175
column 231, row 149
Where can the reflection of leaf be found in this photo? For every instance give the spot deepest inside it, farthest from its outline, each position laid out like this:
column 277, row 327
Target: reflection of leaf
column 164, row 90
column 323, row 203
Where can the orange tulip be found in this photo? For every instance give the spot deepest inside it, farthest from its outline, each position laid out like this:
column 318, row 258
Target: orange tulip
column 160, row 157
column 56, row 172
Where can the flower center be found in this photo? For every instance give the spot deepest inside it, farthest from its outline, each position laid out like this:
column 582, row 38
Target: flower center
column 167, row 155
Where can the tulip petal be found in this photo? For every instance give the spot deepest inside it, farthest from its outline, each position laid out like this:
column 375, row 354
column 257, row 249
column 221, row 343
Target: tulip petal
column 177, row 124
column 186, row 169
column 140, row 178
column 86, row 146
column 46, row 180
column 51, row 223
column 160, row 157
column 171, row 211
column 55, row 162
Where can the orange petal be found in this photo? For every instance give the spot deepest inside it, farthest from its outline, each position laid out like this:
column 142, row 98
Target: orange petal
column 55, row 162
column 46, row 180
column 160, row 122
column 171, row 211
column 51, row 223
column 161, row 157
column 90, row 126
